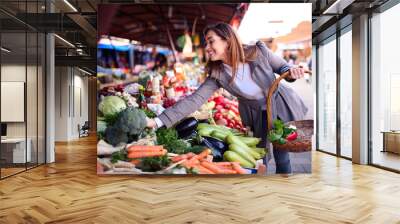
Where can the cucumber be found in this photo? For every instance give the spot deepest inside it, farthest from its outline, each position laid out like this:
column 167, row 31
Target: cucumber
column 219, row 134
column 250, row 141
column 234, row 157
column 242, row 152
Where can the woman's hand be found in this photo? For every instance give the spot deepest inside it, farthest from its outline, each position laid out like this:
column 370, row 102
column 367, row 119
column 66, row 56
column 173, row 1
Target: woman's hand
column 296, row 73
column 151, row 123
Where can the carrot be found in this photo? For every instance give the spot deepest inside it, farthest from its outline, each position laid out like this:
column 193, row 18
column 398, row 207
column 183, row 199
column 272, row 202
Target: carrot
column 135, row 148
column 204, row 154
column 135, row 162
column 182, row 157
column 200, row 156
column 214, row 168
column 134, row 155
column 224, row 164
column 203, row 170
column 228, row 171
column 191, row 162
column 238, row 168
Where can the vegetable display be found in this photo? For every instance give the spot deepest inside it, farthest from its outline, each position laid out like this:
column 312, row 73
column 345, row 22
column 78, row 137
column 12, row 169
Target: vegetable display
column 212, row 140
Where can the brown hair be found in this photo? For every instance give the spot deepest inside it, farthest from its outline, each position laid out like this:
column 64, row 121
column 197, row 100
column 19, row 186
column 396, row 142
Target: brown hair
column 236, row 53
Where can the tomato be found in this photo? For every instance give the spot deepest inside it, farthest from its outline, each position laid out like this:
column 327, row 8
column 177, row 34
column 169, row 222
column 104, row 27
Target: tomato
column 217, row 116
column 221, row 121
column 234, row 110
column 219, row 100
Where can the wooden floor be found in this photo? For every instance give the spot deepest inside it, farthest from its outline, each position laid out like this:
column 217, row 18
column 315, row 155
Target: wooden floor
column 387, row 159
column 69, row 191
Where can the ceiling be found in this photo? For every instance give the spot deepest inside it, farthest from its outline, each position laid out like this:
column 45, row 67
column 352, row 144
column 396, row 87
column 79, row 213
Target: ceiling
column 147, row 22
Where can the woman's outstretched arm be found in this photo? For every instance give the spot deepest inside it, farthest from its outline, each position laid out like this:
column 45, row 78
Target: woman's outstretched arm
column 189, row 104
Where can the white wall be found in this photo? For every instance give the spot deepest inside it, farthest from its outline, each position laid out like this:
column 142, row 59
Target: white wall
column 61, row 103
column 34, row 125
column 13, row 73
column 71, row 94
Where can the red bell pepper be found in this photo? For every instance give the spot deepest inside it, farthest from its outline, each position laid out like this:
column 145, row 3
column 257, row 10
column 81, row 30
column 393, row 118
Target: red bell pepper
column 292, row 136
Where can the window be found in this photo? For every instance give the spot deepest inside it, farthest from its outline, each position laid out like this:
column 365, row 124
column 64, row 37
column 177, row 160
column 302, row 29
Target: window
column 385, row 89
column 327, row 96
column 346, row 93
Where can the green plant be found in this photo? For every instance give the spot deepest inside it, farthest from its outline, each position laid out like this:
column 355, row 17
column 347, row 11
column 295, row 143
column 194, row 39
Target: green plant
column 119, row 155
column 151, row 164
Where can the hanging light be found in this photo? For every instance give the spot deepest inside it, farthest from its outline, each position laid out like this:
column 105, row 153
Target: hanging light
column 188, row 46
column 70, row 5
column 5, row 50
column 170, row 11
column 64, row 40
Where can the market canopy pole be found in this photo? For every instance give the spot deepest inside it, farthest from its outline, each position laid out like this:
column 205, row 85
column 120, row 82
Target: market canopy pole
column 171, row 42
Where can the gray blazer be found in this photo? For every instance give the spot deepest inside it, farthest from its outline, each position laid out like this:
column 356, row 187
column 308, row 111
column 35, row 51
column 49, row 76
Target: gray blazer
column 286, row 103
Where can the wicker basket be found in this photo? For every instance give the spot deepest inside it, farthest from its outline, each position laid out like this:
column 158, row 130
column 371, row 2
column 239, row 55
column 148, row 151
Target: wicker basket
column 305, row 128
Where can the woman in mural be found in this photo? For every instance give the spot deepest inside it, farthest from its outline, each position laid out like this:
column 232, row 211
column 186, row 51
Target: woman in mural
column 246, row 72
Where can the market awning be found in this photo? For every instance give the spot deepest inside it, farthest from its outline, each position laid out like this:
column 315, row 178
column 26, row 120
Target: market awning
column 301, row 33
column 148, row 23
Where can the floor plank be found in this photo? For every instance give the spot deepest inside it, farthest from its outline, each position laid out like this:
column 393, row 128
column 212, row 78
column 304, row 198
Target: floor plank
column 69, row 191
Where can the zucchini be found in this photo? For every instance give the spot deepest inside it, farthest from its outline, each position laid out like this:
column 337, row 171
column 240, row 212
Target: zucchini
column 234, row 157
column 261, row 151
column 253, row 153
column 205, row 132
column 242, row 152
column 219, row 134
column 232, row 139
column 214, row 127
column 235, row 140
column 250, row 141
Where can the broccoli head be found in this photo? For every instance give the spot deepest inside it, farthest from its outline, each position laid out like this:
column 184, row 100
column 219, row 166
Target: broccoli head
column 132, row 121
column 115, row 135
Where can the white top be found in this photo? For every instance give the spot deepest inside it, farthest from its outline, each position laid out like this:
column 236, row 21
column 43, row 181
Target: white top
column 243, row 82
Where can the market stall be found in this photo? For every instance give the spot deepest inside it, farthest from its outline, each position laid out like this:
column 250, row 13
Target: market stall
column 212, row 140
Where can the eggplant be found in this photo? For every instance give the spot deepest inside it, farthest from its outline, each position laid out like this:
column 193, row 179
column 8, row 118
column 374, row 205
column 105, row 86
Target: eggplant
column 206, row 121
column 217, row 147
column 186, row 127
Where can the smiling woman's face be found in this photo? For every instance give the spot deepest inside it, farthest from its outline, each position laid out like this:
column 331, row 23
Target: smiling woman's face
column 215, row 46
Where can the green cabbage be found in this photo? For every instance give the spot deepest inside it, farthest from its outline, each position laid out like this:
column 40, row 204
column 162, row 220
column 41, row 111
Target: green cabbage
column 111, row 105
